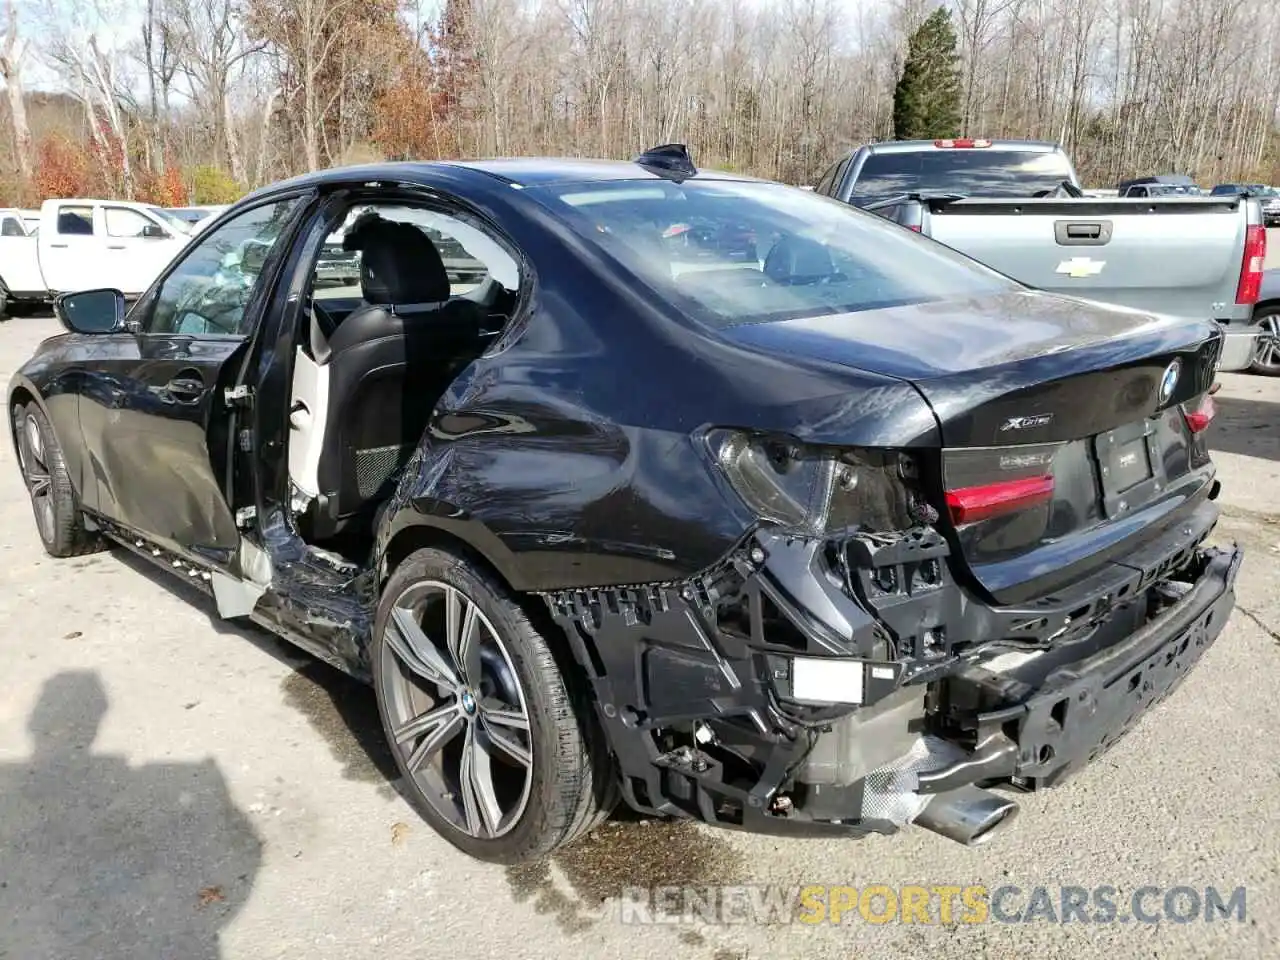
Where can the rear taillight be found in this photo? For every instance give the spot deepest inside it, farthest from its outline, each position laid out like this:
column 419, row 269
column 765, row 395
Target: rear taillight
column 961, row 142
column 986, row 482
column 971, row 504
column 1200, row 416
column 1255, row 256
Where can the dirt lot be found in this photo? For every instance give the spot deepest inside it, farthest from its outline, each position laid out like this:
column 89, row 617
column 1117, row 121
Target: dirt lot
column 175, row 786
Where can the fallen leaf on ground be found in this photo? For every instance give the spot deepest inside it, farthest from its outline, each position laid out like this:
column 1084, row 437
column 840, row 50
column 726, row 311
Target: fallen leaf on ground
column 399, row 833
column 73, row 634
column 210, row 895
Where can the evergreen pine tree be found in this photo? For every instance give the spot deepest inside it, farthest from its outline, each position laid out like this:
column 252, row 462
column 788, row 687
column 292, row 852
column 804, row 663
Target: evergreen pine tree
column 926, row 100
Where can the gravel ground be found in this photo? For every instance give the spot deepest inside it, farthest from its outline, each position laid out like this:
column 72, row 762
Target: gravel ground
column 176, row 786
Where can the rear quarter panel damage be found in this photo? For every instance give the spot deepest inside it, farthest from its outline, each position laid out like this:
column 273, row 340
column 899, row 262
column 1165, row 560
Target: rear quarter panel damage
column 570, row 455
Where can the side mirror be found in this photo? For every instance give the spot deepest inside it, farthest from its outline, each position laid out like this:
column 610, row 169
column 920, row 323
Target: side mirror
column 91, row 311
column 154, row 231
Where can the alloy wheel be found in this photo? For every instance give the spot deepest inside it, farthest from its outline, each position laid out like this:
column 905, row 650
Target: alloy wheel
column 1268, row 355
column 35, row 470
column 458, row 715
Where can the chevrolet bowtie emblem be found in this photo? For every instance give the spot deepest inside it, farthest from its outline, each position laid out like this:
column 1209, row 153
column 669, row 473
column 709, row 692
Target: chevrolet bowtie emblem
column 1078, row 267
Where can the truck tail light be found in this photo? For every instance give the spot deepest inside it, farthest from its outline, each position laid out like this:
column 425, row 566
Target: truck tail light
column 1255, row 256
column 961, row 142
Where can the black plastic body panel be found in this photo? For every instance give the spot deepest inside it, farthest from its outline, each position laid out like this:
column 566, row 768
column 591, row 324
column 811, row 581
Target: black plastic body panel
column 1082, row 709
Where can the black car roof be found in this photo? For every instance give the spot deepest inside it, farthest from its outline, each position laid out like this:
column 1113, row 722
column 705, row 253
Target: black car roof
column 529, row 171
column 524, row 171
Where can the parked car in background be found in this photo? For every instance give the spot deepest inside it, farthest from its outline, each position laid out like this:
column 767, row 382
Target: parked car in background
column 85, row 243
column 13, row 223
column 196, row 217
column 1268, row 197
column 1018, row 206
column 1161, row 185
column 823, row 541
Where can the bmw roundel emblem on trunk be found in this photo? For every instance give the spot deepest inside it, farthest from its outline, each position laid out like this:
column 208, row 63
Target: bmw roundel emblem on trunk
column 1169, row 380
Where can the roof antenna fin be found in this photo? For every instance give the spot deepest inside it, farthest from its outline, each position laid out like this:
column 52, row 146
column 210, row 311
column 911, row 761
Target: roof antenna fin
column 671, row 160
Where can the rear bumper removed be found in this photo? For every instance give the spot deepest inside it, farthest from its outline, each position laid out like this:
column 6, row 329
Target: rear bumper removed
column 698, row 683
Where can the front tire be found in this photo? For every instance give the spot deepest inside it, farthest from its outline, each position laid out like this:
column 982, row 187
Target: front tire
column 498, row 749
column 1266, row 360
column 53, row 499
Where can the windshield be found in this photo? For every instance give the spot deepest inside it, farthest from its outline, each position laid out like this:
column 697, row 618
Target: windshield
column 734, row 252
column 177, row 223
column 972, row 171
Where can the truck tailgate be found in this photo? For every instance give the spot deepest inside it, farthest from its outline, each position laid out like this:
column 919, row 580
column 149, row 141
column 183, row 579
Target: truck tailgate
column 1178, row 257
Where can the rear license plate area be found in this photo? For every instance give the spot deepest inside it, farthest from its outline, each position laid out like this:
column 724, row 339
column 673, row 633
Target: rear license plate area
column 1128, row 469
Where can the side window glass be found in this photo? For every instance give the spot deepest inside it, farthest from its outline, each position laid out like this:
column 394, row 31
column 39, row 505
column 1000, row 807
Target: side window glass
column 824, row 185
column 209, row 289
column 75, row 221
column 371, row 259
column 838, row 178
column 123, row 222
column 11, row 228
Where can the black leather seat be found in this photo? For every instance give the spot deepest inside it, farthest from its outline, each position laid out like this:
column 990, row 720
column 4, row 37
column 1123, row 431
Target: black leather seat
column 799, row 261
column 389, row 363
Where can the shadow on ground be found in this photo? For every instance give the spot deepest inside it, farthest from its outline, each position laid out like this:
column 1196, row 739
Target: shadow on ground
column 578, row 885
column 342, row 710
column 102, row 860
column 1250, row 428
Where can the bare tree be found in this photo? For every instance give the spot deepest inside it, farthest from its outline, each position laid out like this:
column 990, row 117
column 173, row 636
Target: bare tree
column 12, row 53
column 215, row 48
column 161, row 43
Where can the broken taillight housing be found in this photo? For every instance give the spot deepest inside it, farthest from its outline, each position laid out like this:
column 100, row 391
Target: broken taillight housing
column 1200, row 413
column 812, row 489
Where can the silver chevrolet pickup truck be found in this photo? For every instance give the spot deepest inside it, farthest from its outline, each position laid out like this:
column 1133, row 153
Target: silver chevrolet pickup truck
column 1017, row 206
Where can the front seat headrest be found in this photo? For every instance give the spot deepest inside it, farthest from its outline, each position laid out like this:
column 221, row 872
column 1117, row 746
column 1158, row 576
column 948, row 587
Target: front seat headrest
column 398, row 262
column 795, row 261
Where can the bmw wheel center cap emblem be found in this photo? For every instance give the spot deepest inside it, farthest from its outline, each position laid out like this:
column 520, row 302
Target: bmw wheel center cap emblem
column 1169, row 380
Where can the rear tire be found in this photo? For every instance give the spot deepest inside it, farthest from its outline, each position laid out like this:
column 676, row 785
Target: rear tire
column 53, row 500
column 498, row 746
column 1266, row 360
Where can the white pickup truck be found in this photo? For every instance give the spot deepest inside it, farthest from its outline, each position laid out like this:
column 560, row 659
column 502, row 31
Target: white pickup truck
column 82, row 244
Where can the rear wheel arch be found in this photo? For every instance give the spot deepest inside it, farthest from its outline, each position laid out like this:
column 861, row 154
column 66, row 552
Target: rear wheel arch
column 420, row 532
column 418, row 536
column 20, row 396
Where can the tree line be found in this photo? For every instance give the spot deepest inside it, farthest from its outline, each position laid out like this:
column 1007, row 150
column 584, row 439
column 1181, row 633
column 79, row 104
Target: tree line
column 200, row 100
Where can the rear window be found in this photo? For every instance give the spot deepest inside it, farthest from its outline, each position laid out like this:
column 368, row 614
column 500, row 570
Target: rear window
column 972, row 171
column 733, row 252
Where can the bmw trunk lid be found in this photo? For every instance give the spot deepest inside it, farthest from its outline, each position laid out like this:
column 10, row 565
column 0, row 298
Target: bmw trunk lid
column 1069, row 430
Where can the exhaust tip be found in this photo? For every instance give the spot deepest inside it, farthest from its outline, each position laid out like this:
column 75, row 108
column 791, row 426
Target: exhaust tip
column 968, row 815
column 993, row 824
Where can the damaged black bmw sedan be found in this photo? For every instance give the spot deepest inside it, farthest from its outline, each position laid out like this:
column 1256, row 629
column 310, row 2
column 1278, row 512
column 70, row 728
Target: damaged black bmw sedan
column 697, row 491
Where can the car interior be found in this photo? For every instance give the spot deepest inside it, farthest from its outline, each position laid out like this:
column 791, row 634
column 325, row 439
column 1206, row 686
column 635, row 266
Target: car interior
column 374, row 360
